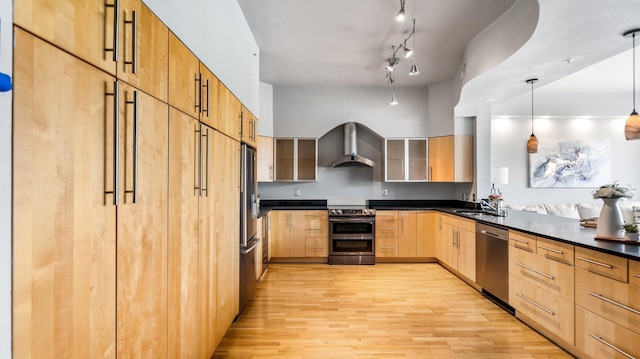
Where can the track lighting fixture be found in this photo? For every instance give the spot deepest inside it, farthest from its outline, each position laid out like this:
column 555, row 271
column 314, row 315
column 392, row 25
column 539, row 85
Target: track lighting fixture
column 392, row 82
column 393, row 60
column 414, row 69
column 532, row 143
column 407, row 51
column 632, row 126
column 401, row 16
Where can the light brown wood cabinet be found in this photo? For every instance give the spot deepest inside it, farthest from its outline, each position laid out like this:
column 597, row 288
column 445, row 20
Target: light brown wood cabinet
column 541, row 285
column 457, row 245
column 607, row 305
column 64, row 238
column 451, row 158
column 249, row 127
column 316, row 224
column 265, row 159
column 142, row 227
column 86, row 28
column 406, row 234
column 100, row 275
column 193, row 88
column 299, row 234
column 295, row 159
column 143, row 49
column 183, row 242
column 229, row 113
column 387, row 227
column 288, row 234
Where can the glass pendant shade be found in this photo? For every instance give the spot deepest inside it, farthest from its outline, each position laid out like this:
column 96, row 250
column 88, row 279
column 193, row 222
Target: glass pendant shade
column 632, row 127
column 533, row 145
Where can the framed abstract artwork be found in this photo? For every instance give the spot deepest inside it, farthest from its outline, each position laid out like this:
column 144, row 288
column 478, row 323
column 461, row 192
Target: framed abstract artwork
column 570, row 163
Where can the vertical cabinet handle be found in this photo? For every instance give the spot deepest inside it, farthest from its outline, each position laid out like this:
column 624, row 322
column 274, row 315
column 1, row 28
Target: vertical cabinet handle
column 116, row 29
column 430, row 173
column 206, row 174
column 116, row 140
column 197, row 89
column 290, row 220
column 199, row 187
column 206, row 85
column 196, row 161
column 134, row 42
column 241, row 125
column 135, row 146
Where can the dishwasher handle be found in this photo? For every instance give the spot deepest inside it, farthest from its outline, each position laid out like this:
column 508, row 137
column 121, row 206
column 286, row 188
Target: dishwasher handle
column 499, row 233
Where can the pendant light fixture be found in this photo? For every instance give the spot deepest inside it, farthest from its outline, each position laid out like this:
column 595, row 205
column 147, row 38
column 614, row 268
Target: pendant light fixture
column 632, row 126
column 414, row 69
column 532, row 144
column 392, row 82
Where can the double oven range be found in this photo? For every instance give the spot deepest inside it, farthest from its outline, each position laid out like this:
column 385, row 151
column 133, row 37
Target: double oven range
column 352, row 235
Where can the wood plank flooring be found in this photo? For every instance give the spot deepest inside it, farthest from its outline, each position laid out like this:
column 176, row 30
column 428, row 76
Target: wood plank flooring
column 381, row 311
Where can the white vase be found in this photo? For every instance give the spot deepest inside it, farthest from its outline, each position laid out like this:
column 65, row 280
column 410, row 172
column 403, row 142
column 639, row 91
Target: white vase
column 610, row 221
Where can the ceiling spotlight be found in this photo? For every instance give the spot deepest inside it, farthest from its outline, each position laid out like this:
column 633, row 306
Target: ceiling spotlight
column 401, row 14
column 414, row 70
column 393, row 60
column 407, row 51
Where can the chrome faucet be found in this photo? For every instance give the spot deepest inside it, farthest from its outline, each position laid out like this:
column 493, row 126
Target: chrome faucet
column 484, row 204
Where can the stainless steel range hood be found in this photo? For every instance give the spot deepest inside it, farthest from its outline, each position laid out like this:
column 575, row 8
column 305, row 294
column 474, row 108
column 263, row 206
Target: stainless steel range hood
column 351, row 157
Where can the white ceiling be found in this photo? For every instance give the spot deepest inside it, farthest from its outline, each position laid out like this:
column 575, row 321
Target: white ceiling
column 348, row 42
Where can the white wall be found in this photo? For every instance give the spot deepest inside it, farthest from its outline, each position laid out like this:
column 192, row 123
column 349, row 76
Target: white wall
column 217, row 32
column 316, row 112
column 265, row 117
column 509, row 136
column 6, row 48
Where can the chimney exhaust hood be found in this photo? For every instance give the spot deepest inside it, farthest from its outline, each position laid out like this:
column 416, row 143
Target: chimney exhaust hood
column 351, row 157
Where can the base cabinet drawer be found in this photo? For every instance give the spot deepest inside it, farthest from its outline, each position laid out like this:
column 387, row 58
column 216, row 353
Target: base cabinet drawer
column 599, row 338
column 551, row 313
column 608, row 298
column 547, row 274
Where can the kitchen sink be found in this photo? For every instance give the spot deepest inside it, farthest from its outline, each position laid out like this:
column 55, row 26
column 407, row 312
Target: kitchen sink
column 473, row 212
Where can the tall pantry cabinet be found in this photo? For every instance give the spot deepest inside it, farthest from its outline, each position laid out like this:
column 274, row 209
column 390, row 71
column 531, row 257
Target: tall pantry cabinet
column 101, row 157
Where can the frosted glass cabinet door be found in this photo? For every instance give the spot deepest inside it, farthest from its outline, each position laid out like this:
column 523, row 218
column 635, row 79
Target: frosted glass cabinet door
column 295, row 159
column 417, row 160
column 406, row 160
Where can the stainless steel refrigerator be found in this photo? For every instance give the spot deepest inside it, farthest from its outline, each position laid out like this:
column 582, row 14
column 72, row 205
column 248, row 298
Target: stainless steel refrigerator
column 248, row 224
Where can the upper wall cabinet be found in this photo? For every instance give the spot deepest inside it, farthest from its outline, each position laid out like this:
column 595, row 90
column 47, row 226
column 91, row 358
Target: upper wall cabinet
column 143, row 49
column 405, row 160
column 86, row 28
column 451, row 158
column 265, row 159
column 296, row 159
column 184, row 77
column 248, row 127
column 229, row 113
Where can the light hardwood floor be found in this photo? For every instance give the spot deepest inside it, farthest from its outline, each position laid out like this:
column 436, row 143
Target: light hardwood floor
column 381, row 311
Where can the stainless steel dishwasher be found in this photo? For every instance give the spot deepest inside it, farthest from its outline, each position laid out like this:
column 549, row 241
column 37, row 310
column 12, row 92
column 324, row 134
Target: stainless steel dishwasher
column 492, row 263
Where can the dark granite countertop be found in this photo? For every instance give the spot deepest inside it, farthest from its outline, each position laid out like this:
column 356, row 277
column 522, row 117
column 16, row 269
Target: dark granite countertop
column 562, row 229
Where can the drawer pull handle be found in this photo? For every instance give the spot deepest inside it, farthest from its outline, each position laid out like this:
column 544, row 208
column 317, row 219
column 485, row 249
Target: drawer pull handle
column 614, row 303
column 637, row 275
column 611, row 346
column 535, row 304
column 596, row 263
column 520, row 241
column 551, row 250
column 535, row 271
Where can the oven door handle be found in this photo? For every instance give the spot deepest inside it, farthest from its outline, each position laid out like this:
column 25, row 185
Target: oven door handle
column 351, row 220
